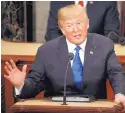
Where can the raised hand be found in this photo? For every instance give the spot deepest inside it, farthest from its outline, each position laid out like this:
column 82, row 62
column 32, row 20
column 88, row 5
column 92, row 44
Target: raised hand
column 15, row 76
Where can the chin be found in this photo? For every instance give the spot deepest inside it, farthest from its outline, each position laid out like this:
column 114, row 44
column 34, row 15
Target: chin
column 78, row 43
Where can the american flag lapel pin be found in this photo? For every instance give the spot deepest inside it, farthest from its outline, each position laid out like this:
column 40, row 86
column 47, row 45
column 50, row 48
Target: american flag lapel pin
column 91, row 52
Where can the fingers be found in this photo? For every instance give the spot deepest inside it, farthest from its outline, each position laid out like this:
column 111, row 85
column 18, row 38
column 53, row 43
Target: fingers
column 121, row 104
column 8, row 66
column 123, row 110
column 120, row 98
column 13, row 64
column 24, row 68
column 7, row 70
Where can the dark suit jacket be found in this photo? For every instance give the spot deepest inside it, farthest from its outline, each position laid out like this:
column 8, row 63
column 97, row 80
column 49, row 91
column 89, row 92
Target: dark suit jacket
column 103, row 18
column 49, row 68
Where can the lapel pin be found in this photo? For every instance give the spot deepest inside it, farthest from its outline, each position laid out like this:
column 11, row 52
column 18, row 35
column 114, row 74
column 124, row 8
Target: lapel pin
column 91, row 52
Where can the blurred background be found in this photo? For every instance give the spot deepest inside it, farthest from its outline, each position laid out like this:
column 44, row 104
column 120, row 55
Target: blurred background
column 27, row 20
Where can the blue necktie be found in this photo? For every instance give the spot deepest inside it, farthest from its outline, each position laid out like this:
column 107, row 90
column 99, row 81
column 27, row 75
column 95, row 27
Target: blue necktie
column 77, row 68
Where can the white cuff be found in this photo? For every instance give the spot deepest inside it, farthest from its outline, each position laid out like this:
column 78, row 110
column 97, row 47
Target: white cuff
column 18, row 90
column 119, row 94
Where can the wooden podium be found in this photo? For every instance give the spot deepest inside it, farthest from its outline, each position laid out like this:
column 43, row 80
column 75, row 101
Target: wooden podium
column 48, row 106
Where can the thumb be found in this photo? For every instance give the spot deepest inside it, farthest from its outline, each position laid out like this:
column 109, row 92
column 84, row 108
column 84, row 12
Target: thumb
column 24, row 68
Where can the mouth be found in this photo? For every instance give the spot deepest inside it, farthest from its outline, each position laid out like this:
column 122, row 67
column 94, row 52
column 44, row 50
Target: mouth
column 77, row 36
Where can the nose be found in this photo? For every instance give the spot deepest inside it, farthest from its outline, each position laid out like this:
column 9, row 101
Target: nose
column 75, row 28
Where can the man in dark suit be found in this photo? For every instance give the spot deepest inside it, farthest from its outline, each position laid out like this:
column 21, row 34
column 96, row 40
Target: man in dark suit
column 94, row 61
column 103, row 18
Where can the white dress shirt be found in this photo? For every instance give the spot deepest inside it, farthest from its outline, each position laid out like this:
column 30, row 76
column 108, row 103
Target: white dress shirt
column 71, row 49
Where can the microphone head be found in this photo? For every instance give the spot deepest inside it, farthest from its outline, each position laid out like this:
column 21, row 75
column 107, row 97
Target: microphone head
column 71, row 55
column 122, row 40
column 114, row 36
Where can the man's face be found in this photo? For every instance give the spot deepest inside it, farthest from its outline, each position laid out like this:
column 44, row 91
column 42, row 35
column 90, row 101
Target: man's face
column 75, row 29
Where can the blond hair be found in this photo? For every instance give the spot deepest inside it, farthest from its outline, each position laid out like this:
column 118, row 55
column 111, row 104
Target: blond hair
column 69, row 12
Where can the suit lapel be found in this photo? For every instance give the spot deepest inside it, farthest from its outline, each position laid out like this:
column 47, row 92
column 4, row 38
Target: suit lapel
column 63, row 56
column 63, row 52
column 88, row 58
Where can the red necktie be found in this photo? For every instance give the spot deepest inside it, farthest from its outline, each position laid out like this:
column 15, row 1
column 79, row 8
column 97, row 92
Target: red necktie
column 81, row 3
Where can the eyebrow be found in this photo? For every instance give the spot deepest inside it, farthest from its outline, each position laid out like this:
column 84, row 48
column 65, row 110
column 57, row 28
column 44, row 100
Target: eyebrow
column 69, row 23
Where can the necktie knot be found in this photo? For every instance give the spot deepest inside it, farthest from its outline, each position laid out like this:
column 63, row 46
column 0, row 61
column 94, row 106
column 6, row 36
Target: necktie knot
column 77, row 48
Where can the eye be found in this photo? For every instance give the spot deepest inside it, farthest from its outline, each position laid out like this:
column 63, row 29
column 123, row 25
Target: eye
column 68, row 26
column 78, row 23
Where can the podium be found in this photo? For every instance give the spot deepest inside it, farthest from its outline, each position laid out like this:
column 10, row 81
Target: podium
column 46, row 105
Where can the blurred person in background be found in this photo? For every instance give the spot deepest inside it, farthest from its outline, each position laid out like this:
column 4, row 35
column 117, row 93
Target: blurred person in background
column 103, row 18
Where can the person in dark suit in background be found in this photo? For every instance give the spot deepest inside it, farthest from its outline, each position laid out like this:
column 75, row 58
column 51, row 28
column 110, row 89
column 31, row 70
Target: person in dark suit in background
column 92, row 64
column 103, row 18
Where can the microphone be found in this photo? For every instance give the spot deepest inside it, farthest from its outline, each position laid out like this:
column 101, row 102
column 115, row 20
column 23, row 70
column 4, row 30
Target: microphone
column 79, row 98
column 120, row 40
column 70, row 57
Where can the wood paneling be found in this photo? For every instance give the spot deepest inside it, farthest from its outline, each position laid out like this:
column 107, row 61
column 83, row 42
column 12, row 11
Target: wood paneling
column 2, row 95
column 122, row 18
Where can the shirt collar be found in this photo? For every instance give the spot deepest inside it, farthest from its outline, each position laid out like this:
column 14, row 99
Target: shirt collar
column 71, row 46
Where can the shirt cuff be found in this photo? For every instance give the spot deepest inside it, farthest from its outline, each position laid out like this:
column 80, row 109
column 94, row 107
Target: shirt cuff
column 119, row 94
column 18, row 90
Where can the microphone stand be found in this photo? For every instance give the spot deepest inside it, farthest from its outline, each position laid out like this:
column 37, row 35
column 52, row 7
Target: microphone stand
column 71, row 55
column 121, row 40
column 64, row 96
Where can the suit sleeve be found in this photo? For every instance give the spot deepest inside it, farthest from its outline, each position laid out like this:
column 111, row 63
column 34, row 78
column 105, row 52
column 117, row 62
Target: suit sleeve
column 115, row 72
column 35, row 81
column 53, row 31
column 112, row 22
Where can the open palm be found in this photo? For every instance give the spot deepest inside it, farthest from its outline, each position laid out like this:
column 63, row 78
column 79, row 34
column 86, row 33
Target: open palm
column 15, row 76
